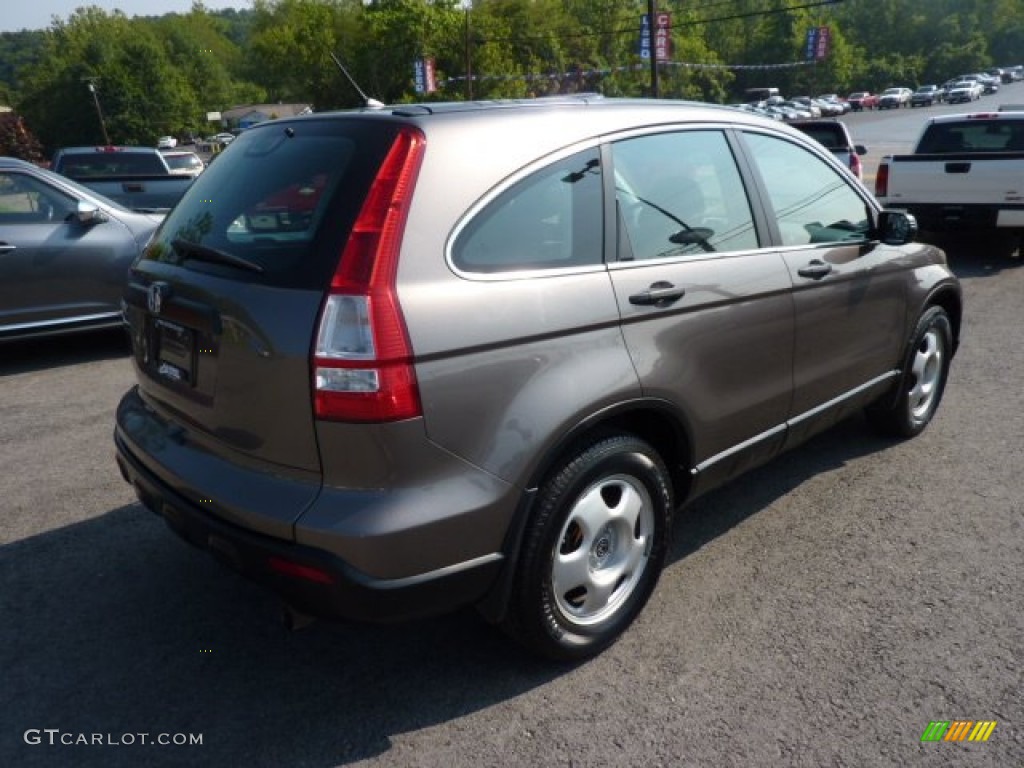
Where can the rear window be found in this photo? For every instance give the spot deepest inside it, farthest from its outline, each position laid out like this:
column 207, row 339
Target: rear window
column 973, row 136
column 111, row 163
column 281, row 198
column 831, row 136
column 184, row 162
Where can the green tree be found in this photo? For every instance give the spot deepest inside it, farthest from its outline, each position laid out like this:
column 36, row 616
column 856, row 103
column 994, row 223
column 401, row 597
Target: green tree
column 141, row 94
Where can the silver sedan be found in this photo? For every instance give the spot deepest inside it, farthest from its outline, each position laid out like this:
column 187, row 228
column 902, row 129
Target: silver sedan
column 64, row 253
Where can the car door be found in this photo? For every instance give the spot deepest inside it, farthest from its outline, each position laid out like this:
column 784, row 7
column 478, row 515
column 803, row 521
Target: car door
column 849, row 293
column 706, row 312
column 52, row 267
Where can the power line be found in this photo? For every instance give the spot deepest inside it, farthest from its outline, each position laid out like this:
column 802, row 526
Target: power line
column 634, row 31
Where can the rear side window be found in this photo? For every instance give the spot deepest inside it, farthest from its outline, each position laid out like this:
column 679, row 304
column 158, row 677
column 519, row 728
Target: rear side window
column 282, row 198
column 551, row 219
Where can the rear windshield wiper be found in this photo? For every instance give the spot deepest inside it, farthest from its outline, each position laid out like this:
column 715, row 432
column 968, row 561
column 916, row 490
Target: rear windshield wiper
column 205, row 253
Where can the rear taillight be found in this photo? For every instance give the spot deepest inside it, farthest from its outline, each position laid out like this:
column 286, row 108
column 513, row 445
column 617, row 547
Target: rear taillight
column 362, row 362
column 882, row 180
column 855, row 165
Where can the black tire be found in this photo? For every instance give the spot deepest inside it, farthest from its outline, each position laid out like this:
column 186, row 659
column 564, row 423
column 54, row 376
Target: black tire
column 923, row 380
column 593, row 550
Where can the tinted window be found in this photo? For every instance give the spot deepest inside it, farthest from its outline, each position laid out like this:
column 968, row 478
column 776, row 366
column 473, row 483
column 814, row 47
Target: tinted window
column 813, row 202
column 826, row 134
column 680, row 193
column 550, row 219
column 976, row 136
column 276, row 195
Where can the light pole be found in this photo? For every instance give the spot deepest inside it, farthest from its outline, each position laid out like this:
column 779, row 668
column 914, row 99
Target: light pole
column 652, row 15
column 96, row 100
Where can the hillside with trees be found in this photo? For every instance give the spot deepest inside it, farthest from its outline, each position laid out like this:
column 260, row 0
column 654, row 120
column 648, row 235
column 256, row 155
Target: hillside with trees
column 161, row 75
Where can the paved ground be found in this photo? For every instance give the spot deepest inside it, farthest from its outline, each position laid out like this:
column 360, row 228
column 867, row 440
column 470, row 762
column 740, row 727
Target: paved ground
column 819, row 612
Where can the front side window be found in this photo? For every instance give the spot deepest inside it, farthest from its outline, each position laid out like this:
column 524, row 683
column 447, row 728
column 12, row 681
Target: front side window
column 680, row 194
column 25, row 200
column 812, row 201
column 551, row 219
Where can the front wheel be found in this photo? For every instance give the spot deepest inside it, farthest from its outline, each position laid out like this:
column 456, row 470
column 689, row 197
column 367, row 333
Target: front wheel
column 593, row 550
column 925, row 371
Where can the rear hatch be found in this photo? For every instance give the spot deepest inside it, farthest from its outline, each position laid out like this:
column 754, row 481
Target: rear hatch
column 223, row 309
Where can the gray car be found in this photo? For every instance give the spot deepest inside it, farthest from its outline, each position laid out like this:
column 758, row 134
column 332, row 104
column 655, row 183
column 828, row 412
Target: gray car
column 64, row 253
column 396, row 361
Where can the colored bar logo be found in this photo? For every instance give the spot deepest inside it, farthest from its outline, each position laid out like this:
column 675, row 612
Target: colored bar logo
column 958, row 730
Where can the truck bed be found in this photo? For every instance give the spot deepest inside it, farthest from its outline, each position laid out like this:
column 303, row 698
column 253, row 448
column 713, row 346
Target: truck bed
column 967, row 172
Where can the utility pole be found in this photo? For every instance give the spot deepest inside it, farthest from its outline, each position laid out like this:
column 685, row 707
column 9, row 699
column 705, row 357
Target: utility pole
column 652, row 11
column 99, row 112
column 469, row 64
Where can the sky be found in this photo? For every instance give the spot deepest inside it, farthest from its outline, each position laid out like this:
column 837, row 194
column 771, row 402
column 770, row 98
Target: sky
column 37, row 14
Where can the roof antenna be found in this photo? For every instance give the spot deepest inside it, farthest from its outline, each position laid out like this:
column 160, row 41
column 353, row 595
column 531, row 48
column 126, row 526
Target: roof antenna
column 370, row 103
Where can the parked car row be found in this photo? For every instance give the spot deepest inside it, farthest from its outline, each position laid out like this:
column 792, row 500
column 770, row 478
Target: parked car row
column 798, row 107
column 964, row 88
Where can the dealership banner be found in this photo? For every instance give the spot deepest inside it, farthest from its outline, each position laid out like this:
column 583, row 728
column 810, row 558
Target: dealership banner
column 426, row 80
column 662, row 39
column 816, row 47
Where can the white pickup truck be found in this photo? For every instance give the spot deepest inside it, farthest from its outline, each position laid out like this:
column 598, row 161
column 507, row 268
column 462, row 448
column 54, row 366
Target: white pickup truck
column 967, row 172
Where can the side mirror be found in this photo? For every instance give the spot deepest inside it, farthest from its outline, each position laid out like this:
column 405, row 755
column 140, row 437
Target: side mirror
column 896, row 227
column 860, row 149
column 89, row 214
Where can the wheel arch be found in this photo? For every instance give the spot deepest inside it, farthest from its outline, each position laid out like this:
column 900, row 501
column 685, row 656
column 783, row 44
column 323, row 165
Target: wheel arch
column 950, row 299
column 654, row 421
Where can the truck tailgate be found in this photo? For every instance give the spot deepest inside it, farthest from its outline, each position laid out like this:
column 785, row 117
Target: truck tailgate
column 957, row 179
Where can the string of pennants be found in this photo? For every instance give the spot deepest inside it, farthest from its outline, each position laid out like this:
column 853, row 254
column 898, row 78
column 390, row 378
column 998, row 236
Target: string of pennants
column 586, row 73
column 816, row 47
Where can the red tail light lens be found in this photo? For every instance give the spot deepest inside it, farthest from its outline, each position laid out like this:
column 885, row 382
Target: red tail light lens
column 855, row 165
column 362, row 363
column 299, row 571
column 882, row 181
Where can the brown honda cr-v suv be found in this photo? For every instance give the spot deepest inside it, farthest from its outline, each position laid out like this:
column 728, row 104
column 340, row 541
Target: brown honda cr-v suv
column 396, row 361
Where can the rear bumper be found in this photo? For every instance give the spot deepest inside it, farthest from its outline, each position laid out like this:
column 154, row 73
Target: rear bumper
column 310, row 578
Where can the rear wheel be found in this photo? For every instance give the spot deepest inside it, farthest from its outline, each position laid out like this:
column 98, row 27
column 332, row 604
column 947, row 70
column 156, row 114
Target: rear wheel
column 593, row 551
column 925, row 371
